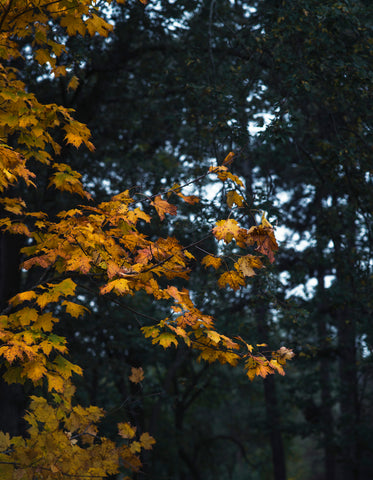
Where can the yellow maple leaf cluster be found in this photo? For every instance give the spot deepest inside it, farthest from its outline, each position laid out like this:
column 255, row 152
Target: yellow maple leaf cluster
column 104, row 242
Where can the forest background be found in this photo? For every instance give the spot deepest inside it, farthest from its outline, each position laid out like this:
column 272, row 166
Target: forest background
column 169, row 92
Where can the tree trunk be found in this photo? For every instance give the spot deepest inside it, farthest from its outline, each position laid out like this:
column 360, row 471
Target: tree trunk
column 346, row 312
column 270, row 394
column 326, row 414
column 12, row 398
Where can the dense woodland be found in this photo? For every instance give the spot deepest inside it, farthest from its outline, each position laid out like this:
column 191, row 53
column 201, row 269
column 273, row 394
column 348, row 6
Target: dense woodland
column 169, row 91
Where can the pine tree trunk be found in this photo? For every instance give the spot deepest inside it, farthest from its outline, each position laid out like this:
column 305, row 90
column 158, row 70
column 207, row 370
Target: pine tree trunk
column 326, row 413
column 346, row 312
column 270, row 394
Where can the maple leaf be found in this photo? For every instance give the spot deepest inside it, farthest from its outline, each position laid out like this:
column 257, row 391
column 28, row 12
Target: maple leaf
column 67, row 179
column 257, row 366
column 176, row 188
column 66, row 368
column 96, row 24
column 22, row 297
column 166, row 339
column 119, row 286
column 246, row 265
column 126, row 430
column 55, row 291
column 226, row 230
column 14, row 205
column 265, row 240
column 135, row 447
column 55, row 382
column 74, row 309
column 277, row 366
column 212, row 335
column 73, row 24
column 42, row 56
column 211, row 261
column 228, row 159
column 112, row 269
column 27, row 315
column 162, row 207
column 45, row 322
column 5, row 441
column 137, row 375
column 234, row 198
column 233, row 279
column 283, row 354
column 147, row 441
column 73, row 83
column 35, row 370
column 223, row 174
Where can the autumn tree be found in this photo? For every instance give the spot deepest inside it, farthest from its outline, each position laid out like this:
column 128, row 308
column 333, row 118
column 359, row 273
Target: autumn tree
column 101, row 244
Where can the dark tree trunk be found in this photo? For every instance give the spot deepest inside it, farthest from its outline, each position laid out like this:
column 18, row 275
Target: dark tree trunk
column 326, row 414
column 270, row 394
column 12, row 398
column 346, row 313
column 322, row 317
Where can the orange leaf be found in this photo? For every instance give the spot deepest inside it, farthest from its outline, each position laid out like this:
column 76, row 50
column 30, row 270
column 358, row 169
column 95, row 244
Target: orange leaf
column 137, row 375
column 211, row 261
column 265, row 240
column 226, row 230
column 229, row 158
column 232, row 279
column 162, row 207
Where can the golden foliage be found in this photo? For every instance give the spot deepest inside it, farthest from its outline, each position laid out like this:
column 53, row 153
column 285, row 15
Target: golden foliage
column 103, row 241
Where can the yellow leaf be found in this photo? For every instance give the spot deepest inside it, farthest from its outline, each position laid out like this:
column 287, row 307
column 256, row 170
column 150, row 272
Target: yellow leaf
column 166, row 339
column 55, row 382
column 4, row 441
column 211, row 261
column 119, row 286
column 27, row 316
column 73, row 24
column 246, row 265
column 74, row 309
column 73, row 83
column 96, row 24
column 232, row 279
column 224, row 174
column 265, row 222
column 45, row 322
column 147, row 441
column 23, row 297
column 135, row 447
column 42, row 56
column 277, row 366
column 234, row 198
column 126, row 430
column 226, row 230
column 212, row 335
column 34, row 370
